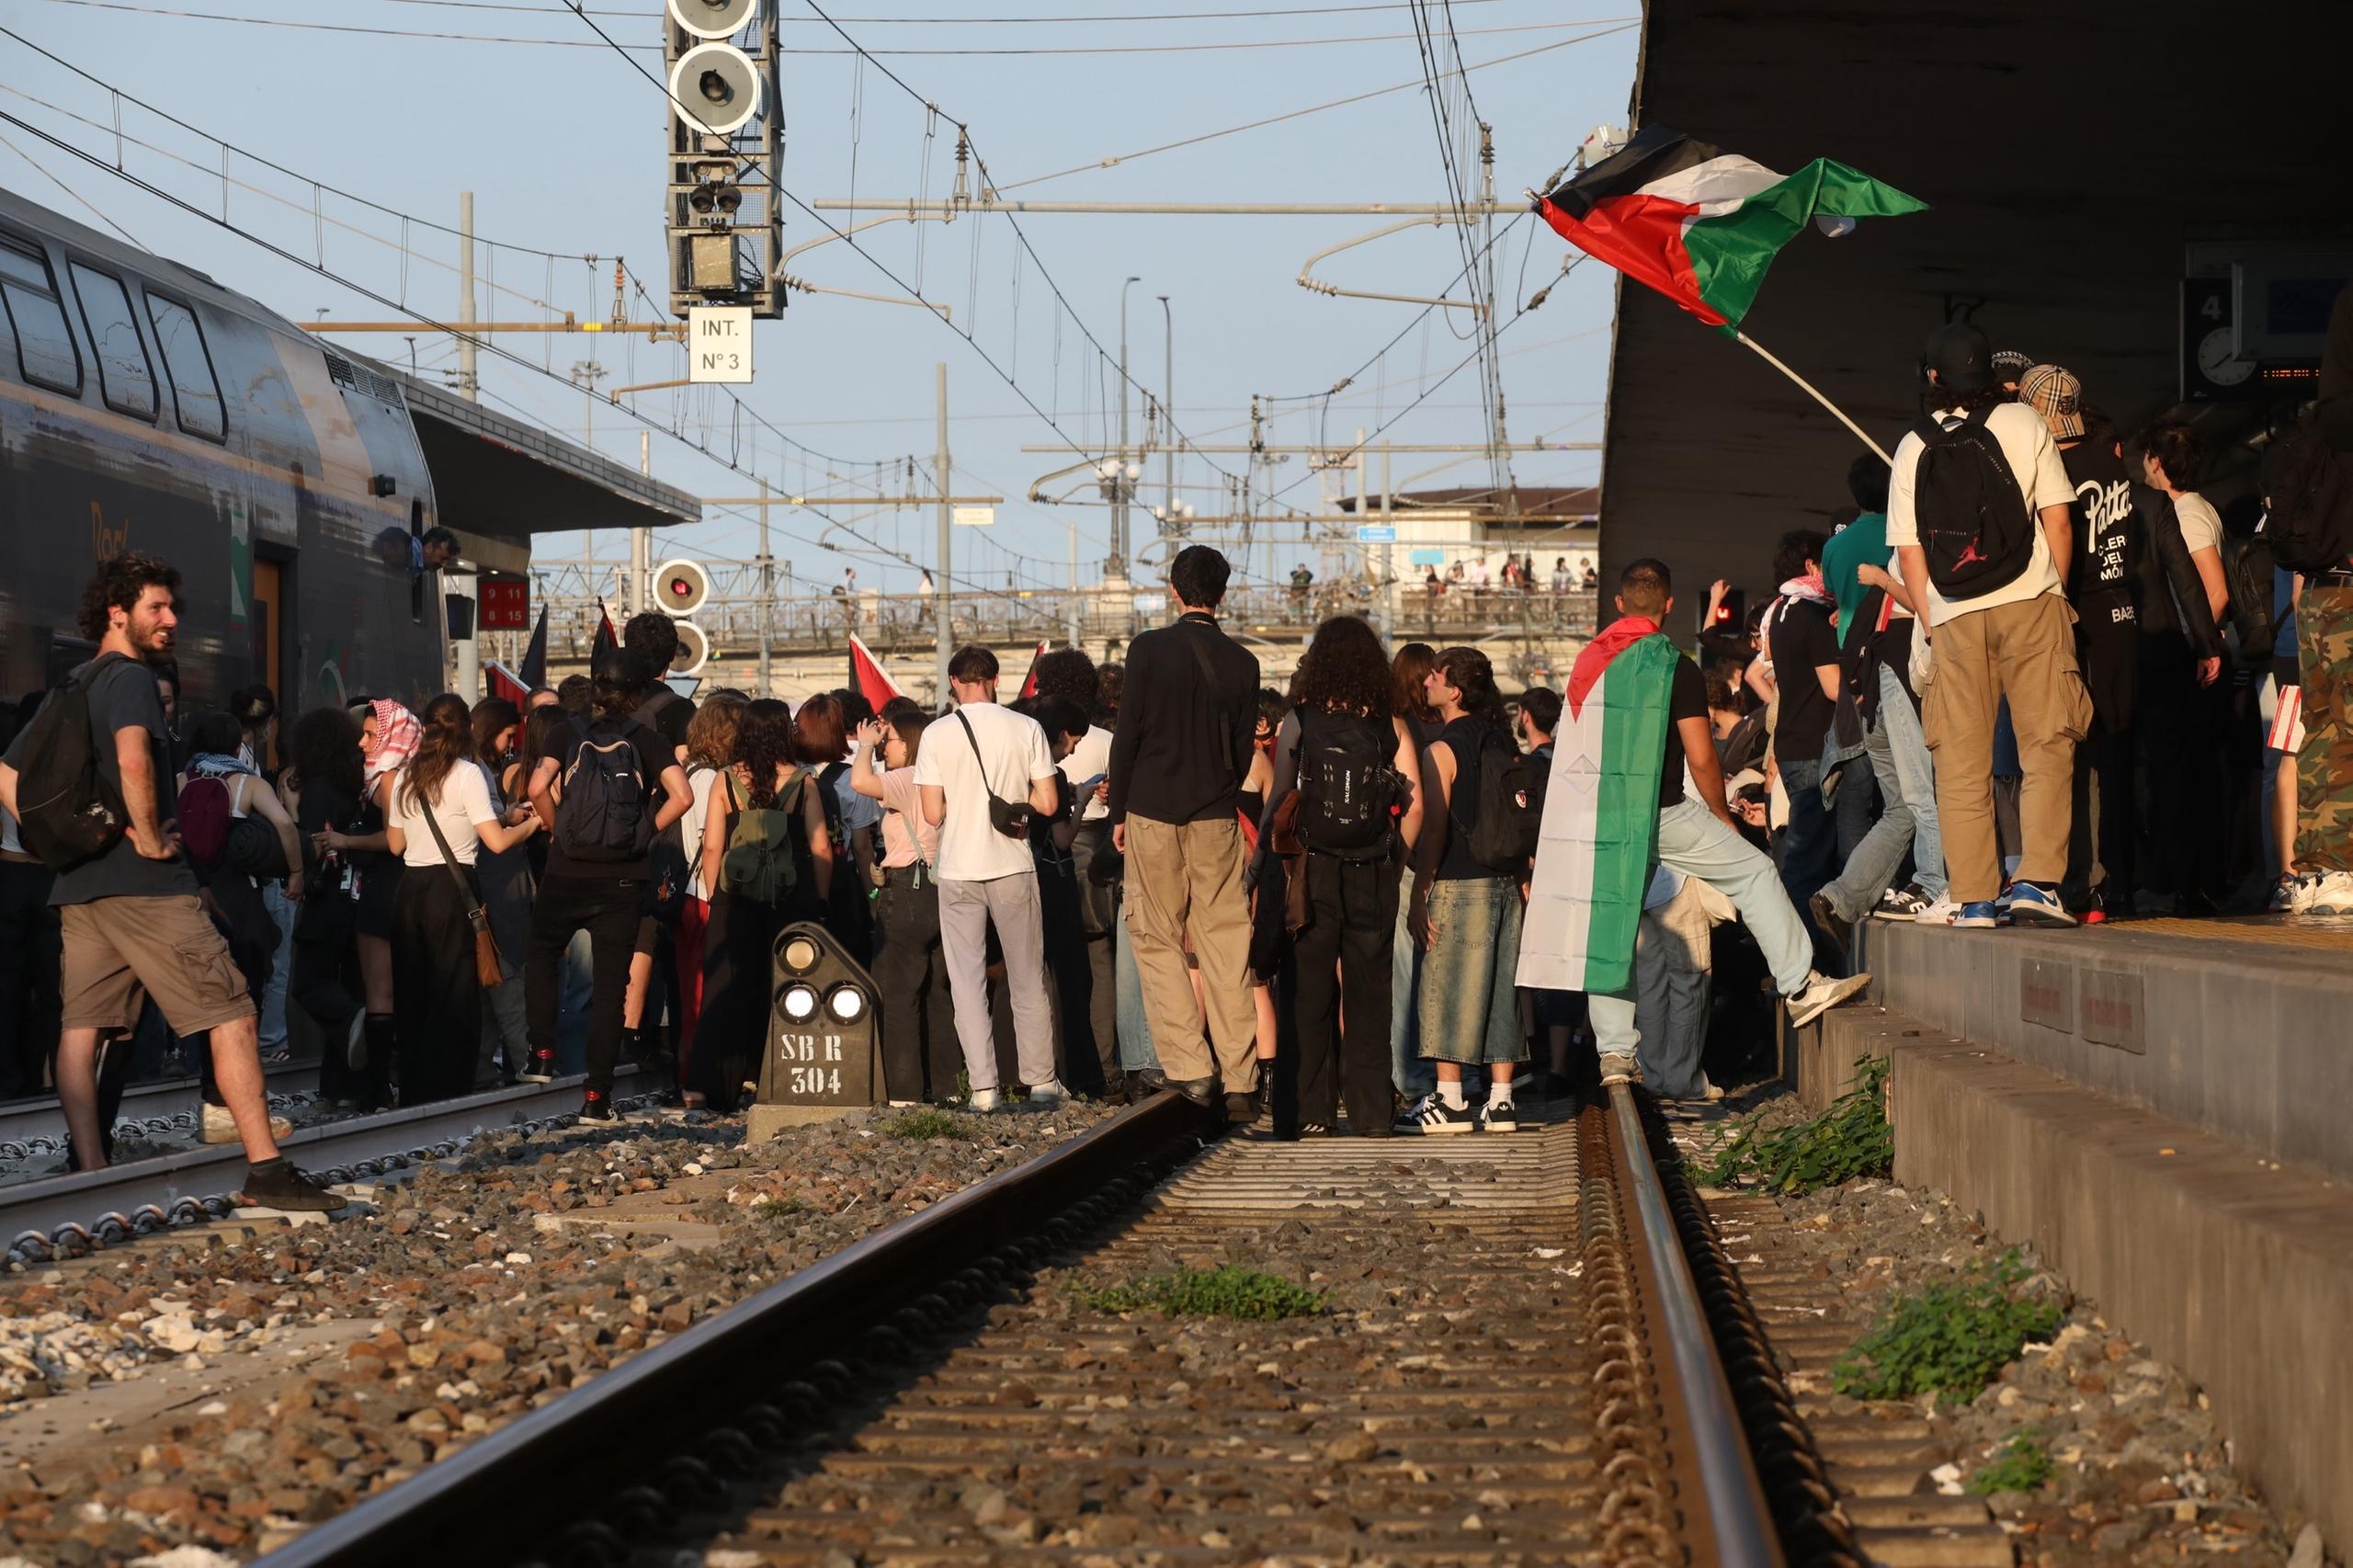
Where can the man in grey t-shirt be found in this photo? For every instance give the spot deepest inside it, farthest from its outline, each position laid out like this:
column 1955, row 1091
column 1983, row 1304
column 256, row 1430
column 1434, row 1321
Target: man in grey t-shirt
column 133, row 927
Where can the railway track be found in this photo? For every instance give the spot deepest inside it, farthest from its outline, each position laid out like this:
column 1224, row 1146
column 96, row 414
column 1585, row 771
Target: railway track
column 35, row 1125
column 1517, row 1357
column 70, row 1213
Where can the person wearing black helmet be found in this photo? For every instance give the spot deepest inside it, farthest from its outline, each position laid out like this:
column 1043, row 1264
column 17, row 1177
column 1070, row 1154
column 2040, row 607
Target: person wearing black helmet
column 1978, row 512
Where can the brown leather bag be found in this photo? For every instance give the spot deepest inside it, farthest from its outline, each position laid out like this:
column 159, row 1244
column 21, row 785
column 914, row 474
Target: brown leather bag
column 487, row 968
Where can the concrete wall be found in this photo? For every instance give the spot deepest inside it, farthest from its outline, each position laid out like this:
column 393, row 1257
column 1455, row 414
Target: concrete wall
column 2069, row 154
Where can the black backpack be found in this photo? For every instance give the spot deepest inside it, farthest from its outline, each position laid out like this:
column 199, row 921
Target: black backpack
column 1511, row 806
column 606, row 812
column 2247, row 572
column 67, row 810
column 2311, row 487
column 1346, row 787
column 1970, row 513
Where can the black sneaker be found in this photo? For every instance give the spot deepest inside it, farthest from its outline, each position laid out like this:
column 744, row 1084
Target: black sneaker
column 597, row 1110
column 282, row 1184
column 539, row 1068
column 1901, row 903
column 1499, row 1116
column 1832, row 925
column 1437, row 1116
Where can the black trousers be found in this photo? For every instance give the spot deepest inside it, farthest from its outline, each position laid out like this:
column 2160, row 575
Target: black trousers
column 920, row 1055
column 2181, row 747
column 32, row 951
column 607, row 908
column 2102, row 856
column 437, row 995
column 1340, row 973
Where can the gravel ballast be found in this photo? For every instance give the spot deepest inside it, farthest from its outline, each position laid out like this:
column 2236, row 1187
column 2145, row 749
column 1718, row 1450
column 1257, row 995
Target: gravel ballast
column 222, row 1388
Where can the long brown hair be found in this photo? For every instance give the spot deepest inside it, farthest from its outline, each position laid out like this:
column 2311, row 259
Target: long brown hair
column 710, row 736
column 447, row 740
column 1412, row 666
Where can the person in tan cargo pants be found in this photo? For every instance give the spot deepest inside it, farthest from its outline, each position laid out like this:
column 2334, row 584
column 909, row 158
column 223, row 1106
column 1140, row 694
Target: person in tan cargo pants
column 1179, row 755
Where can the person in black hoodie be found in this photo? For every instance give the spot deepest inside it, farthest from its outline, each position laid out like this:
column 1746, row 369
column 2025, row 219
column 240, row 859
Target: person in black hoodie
column 2145, row 639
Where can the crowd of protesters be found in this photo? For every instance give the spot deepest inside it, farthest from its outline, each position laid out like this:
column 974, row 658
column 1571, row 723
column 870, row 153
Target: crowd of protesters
column 2032, row 676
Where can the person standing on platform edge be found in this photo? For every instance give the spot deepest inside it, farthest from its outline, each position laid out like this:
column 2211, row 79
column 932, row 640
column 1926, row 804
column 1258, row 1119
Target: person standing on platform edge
column 1635, row 725
column 1179, row 753
column 984, row 772
column 597, row 791
column 1978, row 512
column 132, row 924
column 2319, row 463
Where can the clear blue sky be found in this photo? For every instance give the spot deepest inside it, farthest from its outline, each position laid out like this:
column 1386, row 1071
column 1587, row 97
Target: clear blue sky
column 563, row 142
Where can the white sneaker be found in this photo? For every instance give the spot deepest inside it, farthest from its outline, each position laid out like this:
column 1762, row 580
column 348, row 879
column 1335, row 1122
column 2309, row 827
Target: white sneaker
column 2333, row 896
column 1821, row 994
column 1616, row 1068
column 1048, row 1096
column 219, row 1127
column 986, row 1099
column 2293, row 893
column 1938, row 913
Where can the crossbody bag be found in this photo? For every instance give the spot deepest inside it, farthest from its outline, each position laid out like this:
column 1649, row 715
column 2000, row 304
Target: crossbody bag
column 487, row 968
column 1010, row 818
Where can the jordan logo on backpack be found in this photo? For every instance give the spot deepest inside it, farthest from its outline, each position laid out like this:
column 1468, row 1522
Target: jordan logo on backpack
column 1970, row 512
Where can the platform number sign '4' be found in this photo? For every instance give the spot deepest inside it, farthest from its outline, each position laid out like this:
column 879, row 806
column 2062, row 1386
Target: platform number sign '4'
column 719, row 344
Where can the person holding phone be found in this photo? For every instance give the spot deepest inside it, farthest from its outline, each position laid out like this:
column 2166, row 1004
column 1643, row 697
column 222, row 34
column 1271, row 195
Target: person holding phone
column 919, row 1051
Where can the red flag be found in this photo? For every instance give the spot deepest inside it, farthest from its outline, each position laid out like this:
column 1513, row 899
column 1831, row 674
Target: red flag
column 505, row 683
column 867, row 677
column 1029, row 681
column 606, row 636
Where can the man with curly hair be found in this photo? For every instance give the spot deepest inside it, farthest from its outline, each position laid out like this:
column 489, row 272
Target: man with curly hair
column 133, row 926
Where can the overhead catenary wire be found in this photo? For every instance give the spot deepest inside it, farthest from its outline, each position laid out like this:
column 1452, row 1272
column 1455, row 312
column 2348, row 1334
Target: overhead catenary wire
column 496, row 351
column 364, row 29
column 1363, row 5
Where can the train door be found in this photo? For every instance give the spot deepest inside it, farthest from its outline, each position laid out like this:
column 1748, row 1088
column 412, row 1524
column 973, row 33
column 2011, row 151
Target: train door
column 265, row 623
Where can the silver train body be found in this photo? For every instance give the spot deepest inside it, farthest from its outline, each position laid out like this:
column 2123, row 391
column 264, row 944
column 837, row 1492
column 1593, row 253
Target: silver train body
column 143, row 407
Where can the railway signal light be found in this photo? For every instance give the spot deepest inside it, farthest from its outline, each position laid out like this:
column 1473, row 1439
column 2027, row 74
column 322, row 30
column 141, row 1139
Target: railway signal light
column 680, row 587
column 694, row 648
column 823, row 1041
column 713, row 18
column 716, row 88
column 726, row 150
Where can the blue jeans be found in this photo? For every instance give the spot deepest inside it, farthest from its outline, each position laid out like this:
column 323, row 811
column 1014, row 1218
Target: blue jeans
column 1899, row 759
column 1810, row 844
column 1410, row 1074
column 1469, row 1009
column 1136, row 1054
column 1694, row 842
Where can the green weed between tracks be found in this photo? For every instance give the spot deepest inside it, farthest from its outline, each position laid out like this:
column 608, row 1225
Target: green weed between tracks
column 928, row 1123
column 1851, row 1139
column 1227, row 1293
column 1949, row 1339
column 2022, row 1465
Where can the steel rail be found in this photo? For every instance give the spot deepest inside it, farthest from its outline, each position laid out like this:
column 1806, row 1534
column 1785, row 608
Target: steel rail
column 512, row 1493
column 39, row 1117
column 1729, row 1491
column 142, row 1196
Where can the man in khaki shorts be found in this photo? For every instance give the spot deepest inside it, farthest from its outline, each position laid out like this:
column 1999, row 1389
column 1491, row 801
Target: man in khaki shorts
column 133, row 927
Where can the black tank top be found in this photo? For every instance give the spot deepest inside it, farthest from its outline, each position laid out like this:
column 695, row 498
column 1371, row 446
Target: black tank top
column 1464, row 737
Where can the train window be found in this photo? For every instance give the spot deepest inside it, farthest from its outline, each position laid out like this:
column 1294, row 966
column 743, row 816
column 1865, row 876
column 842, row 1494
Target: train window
column 125, row 379
column 45, row 351
column 189, row 365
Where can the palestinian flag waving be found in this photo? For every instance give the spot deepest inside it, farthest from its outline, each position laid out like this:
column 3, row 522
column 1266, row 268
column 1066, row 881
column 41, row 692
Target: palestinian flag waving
column 866, row 676
column 1701, row 226
column 1599, row 833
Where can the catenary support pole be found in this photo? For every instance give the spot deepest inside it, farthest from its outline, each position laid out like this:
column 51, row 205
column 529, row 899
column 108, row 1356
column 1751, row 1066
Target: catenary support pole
column 947, row 534
column 767, row 592
column 1808, row 388
column 466, row 387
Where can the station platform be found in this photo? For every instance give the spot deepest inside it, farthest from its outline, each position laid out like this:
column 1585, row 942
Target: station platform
column 2158, row 1107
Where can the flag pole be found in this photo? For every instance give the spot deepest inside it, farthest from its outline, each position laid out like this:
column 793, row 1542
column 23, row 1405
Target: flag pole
column 1836, row 412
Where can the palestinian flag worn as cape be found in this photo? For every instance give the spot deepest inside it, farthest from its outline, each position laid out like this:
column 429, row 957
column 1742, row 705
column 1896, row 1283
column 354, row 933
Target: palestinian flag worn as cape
column 1600, row 835
column 1701, row 226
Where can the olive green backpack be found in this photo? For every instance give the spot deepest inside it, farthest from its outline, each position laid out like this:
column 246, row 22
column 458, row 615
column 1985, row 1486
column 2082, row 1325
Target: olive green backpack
column 759, row 863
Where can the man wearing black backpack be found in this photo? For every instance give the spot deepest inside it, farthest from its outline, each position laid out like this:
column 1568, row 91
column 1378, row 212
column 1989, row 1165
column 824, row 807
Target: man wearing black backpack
column 653, row 639
column 597, row 790
column 1978, row 512
column 90, row 783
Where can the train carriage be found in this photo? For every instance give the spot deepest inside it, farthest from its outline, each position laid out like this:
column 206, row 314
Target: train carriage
column 143, row 406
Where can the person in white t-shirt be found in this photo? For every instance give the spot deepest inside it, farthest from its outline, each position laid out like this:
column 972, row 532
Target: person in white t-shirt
column 979, row 754
column 2169, row 459
column 437, row 994
column 2011, row 638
